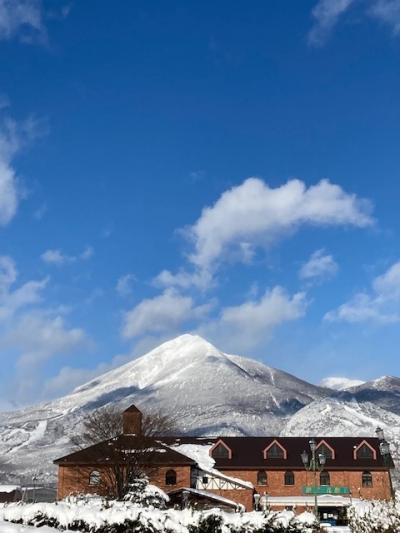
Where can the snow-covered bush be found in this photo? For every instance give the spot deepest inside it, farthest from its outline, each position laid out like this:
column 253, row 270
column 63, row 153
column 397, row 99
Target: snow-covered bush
column 142, row 493
column 96, row 515
column 375, row 516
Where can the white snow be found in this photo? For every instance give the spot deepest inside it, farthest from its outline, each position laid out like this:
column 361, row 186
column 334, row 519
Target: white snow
column 8, row 527
column 201, row 454
column 187, row 376
column 208, row 392
column 9, row 488
column 97, row 514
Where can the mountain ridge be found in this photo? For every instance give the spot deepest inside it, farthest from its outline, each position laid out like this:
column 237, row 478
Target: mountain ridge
column 209, row 392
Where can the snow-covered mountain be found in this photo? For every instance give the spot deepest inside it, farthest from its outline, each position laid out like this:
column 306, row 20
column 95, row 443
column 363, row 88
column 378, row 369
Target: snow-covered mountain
column 332, row 417
column 209, row 392
column 384, row 392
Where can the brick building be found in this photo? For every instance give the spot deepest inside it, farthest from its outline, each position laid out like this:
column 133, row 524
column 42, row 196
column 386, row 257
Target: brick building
column 236, row 469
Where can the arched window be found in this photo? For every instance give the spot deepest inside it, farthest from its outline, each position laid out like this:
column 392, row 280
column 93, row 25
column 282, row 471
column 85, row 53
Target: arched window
column 289, row 478
column 220, row 452
column 365, row 452
column 367, row 479
column 262, row 478
column 324, row 478
column 275, row 452
column 94, row 477
column 170, row 477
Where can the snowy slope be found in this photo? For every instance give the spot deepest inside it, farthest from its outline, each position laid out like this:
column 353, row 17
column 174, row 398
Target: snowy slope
column 384, row 392
column 208, row 391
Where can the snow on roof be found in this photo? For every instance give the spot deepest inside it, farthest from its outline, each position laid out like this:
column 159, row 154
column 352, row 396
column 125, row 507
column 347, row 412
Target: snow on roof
column 210, row 495
column 201, row 454
column 9, row 488
column 328, row 500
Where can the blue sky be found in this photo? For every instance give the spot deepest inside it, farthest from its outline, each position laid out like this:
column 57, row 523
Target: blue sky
column 231, row 170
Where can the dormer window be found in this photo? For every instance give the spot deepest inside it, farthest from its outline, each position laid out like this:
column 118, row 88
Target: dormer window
column 364, row 451
column 275, row 451
column 221, row 451
column 328, row 451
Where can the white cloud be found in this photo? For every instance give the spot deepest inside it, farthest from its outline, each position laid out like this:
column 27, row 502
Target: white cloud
column 340, row 383
column 202, row 279
column 13, row 137
column 163, row 313
column 388, row 12
column 13, row 300
column 326, row 15
column 38, row 336
column 254, row 214
column 8, row 181
column 380, row 304
column 320, row 266
column 244, row 326
column 55, row 256
column 22, row 18
column 69, row 378
column 124, row 286
column 87, row 253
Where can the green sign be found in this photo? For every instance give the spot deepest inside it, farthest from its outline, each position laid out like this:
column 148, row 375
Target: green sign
column 325, row 489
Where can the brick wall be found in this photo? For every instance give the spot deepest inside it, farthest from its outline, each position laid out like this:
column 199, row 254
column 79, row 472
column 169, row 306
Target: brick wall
column 352, row 479
column 245, row 496
column 75, row 479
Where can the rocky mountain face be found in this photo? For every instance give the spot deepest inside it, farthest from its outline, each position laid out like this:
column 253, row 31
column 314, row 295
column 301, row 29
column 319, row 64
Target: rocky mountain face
column 208, row 392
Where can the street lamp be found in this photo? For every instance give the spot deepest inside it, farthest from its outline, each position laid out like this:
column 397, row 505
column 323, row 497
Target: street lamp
column 384, row 446
column 314, row 464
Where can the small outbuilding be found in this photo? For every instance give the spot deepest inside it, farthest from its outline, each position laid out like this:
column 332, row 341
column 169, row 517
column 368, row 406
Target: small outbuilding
column 201, row 499
column 10, row 493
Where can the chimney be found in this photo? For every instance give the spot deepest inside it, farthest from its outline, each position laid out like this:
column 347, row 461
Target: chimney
column 132, row 421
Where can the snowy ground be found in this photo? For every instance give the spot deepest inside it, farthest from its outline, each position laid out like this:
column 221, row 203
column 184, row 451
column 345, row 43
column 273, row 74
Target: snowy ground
column 6, row 527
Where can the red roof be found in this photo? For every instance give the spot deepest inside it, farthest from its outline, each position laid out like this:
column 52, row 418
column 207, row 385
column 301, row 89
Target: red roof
column 247, row 452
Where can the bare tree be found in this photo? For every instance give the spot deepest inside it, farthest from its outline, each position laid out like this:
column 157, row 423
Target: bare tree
column 106, row 423
column 129, row 457
column 99, row 425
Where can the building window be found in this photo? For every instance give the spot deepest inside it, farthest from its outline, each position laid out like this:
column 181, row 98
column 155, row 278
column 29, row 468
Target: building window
column 367, row 479
column 94, row 478
column 323, row 448
column 220, row 452
column 170, row 477
column 275, row 452
column 205, row 480
column 365, row 452
column 324, row 478
column 262, row 478
column 289, row 478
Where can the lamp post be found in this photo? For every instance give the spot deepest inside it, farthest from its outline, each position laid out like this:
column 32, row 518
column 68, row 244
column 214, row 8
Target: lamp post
column 314, row 464
column 384, row 446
